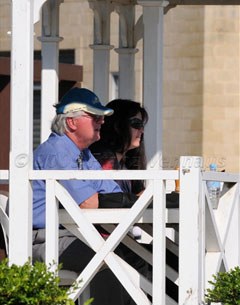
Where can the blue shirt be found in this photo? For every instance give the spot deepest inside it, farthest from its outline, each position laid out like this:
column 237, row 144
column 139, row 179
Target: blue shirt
column 61, row 153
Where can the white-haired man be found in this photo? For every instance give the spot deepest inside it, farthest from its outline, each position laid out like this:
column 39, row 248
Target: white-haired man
column 77, row 124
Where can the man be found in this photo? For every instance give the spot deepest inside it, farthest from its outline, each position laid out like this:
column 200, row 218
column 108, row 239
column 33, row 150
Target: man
column 77, row 124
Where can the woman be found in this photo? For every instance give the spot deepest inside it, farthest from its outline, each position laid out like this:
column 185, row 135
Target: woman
column 121, row 145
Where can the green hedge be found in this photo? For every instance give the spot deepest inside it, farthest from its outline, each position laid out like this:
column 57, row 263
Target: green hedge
column 32, row 285
column 226, row 288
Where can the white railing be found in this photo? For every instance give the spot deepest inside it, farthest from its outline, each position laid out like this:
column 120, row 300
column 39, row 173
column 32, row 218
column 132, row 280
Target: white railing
column 155, row 192
column 205, row 235
column 207, row 243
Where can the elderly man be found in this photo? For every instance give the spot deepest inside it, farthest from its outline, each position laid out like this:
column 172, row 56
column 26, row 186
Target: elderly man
column 77, row 124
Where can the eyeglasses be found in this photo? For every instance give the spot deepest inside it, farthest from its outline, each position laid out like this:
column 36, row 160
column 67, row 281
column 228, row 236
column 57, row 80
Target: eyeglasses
column 136, row 123
column 96, row 118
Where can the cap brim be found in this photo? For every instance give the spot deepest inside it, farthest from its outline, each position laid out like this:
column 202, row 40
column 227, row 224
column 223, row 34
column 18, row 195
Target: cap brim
column 99, row 110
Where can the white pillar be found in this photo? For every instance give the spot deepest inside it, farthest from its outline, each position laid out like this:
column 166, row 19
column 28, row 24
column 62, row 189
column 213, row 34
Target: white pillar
column 126, row 51
column 101, row 67
column 101, row 48
column 20, row 208
column 191, row 232
column 153, row 20
column 50, row 58
column 126, row 62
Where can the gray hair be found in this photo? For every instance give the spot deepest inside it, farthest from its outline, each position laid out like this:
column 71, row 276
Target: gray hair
column 59, row 124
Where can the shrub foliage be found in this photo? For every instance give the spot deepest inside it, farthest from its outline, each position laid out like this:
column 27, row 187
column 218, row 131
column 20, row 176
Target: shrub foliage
column 31, row 285
column 226, row 288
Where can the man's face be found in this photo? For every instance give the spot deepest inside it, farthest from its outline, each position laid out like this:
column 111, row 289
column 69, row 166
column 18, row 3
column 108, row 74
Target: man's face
column 86, row 129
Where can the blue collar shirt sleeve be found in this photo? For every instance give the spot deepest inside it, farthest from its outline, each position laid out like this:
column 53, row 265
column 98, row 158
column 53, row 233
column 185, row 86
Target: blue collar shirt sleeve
column 60, row 153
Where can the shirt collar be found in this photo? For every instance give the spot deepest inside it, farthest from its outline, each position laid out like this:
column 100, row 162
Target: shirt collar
column 75, row 151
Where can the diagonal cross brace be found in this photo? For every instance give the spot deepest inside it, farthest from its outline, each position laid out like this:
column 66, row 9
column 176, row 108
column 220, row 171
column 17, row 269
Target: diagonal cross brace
column 104, row 248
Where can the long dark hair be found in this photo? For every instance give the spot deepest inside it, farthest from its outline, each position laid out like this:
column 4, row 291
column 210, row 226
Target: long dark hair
column 116, row 133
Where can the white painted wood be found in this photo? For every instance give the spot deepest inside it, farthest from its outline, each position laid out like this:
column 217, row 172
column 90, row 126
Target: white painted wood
column 226, row 177
column 50, row 52
column 101, row 218
column 104, row 248
column 52, row 225
column 153, row 20
column 101, row 48
column 126, row 14
column 126, row 51
column 101, row 60
column 159, row 233
column 20, row 196
column 222, row 234
column 126, row 60
column 194, row 234
column 128, row 281
column 115, row 217
column 232, row 238
column 109, row 216
column 37, row 10
column 190, row 230
column 103, row 175
column 131, row 243
column 211, row 266
column 213, row 239
column 225, row 208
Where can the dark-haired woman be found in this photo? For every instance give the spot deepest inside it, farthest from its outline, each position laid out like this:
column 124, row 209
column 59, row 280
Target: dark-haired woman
column 121, row 146
column 122, row 141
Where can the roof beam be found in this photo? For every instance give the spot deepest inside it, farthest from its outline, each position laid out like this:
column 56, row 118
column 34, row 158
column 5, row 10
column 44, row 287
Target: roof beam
column 173, row 3
column 204, row 2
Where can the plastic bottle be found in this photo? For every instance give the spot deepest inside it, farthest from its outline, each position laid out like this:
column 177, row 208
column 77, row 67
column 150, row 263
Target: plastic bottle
column 214, row 188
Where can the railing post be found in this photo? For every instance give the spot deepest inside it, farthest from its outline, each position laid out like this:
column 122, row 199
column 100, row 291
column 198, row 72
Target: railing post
column 159, row 242
column 52, row 224
column 191, row 229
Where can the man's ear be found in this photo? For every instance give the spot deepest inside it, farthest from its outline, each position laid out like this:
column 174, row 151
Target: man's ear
column 71, row 123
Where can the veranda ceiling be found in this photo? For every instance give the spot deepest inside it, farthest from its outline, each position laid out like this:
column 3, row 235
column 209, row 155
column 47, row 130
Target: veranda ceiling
column 204, row 2
column 190, row 2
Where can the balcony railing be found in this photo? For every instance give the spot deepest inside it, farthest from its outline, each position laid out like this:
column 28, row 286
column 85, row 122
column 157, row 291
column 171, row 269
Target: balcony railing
column 207, row 240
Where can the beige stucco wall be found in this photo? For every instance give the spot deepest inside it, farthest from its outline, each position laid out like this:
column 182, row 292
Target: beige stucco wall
column 201, row 75
column 202, row 85
column 221, row 94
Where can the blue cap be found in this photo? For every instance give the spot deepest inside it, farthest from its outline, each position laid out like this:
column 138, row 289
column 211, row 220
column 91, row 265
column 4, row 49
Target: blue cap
column 77, row 99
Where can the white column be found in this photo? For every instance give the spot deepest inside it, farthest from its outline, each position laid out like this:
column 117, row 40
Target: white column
column 101, row 67
column 153, row 20
column 50, row 58
column 126, row 62
column 101, row 48
column 191, row 232
column 126, row 51
column 20, row 208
